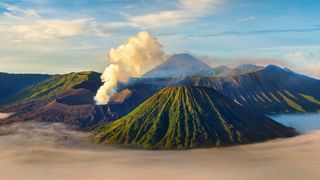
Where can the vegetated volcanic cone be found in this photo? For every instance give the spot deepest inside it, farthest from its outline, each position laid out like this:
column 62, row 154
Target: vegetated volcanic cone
column 189, row 117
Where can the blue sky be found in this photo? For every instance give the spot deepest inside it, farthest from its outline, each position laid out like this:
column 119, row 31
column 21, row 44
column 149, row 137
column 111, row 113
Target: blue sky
column 58, row 36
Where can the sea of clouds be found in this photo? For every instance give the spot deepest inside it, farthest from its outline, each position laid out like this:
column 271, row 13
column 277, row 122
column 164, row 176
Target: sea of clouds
column 5, row 115
column 54, row 151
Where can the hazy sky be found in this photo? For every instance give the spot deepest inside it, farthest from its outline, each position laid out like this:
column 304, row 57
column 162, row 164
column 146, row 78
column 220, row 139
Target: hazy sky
column 57, row 36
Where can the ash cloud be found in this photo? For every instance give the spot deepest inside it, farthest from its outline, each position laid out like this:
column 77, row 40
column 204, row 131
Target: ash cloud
column 140, row 54
column 53, row 151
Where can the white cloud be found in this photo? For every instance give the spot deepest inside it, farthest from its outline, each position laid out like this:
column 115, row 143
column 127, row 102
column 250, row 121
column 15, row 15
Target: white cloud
column 105, row 29
column 307, row 62
column 188, row 10
column 15, row 12
column 28, row 24
column 51, row 29
column 245, row 19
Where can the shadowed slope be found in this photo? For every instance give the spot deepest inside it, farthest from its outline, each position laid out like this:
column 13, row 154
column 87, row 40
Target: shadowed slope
column 189, row 117
column 68, row 98
column 271, row 90
column 56, row 85
column 64, row 98
column 10, row 84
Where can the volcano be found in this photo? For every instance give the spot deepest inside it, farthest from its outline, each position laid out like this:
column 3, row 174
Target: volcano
column 189, row 117
column 179, row 65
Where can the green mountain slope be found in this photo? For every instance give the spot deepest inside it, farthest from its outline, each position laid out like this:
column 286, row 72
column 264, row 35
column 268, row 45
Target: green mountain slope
column 56, row 85
column 64, row 98
column 271, row 90
column 68, row 98
column 10, row 84
column 189, row 117
column 267, row 90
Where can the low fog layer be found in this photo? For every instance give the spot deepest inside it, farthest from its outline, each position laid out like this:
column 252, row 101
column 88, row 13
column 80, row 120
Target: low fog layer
column 4, row 115
column 303, row 123
column 52, row 151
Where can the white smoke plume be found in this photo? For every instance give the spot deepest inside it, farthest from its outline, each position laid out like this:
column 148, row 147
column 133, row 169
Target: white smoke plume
column 140, row 54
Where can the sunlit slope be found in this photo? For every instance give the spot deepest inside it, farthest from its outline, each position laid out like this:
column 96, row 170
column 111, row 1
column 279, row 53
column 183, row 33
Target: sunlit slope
column 68, row 98
column 271, row 90
column 57, row 85
column 189, row 117
column 64, row 98
column 10, row 84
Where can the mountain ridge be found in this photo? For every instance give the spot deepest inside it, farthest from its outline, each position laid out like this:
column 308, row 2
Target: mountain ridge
column 13, row 83
column 189, row 117
column 178, row 65
column 69, row 99
column 270, row 90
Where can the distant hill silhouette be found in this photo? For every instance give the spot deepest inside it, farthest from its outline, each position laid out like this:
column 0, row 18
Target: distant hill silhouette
column 69, row 98
column 13, row 83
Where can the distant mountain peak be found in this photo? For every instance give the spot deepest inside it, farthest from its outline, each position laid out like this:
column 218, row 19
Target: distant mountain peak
column 247, row 67
column 273, row 68
column 178, row 65
column 182, row 56
column 185, row 58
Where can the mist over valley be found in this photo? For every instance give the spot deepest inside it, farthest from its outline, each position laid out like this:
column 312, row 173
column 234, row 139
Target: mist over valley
column 159, row 90
column 54, row 151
